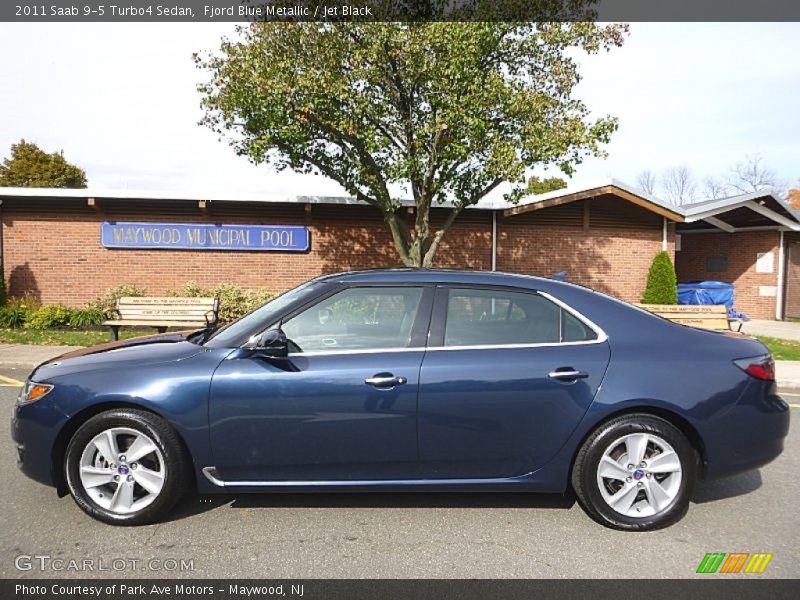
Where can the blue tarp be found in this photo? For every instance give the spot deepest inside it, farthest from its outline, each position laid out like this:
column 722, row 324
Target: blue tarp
column 706, row 292
column 709, row 292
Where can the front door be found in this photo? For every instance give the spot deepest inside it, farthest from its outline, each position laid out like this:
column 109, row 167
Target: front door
column 341, row 407
column 507, row 378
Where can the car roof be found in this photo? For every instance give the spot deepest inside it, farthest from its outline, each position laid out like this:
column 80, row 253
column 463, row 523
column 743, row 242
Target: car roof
column 465, row 276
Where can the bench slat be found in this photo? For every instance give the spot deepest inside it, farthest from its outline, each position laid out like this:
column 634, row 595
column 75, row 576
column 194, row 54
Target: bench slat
column 714, row 316
column 151, row 311
column 166, row 300
column 156, row 323
column 159, row 316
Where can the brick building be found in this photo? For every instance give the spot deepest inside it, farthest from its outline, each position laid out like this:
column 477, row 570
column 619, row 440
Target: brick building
column 70, row 246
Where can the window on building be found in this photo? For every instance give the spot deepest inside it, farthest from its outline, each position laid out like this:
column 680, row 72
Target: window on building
column 368, row 318
column 717, row 264
column 493, row 317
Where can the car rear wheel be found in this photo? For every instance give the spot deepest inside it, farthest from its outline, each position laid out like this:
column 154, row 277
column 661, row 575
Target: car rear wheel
column 126, row 466
column 636, row 472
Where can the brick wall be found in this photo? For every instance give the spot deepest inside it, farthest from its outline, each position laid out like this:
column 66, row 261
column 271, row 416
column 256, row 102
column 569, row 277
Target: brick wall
column 53, row 251
column 56, row 254
column 741, row 250
column 607, row 252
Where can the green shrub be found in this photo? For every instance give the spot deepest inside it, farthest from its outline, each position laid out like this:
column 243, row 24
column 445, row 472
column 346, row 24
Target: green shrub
column 48, row 316
column 234, row 301
column 12, row 316
column 3, row 292
column 108, row 301
column 17, row 310
column 662, row 284
column 86, row 317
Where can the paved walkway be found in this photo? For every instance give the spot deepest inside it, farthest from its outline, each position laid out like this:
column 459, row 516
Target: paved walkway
column 784, row 330
column 28, row 356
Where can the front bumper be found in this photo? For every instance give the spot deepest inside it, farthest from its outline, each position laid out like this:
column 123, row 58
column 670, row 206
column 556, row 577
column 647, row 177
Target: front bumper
column 34, row 431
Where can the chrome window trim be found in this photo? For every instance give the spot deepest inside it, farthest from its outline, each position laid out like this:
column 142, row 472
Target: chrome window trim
column 362, row 351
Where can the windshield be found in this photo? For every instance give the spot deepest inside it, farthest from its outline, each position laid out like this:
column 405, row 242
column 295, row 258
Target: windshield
column 235, row 333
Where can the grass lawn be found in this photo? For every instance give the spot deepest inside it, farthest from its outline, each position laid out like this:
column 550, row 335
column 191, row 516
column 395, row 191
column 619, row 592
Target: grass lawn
column 66, row 337
column 782, row 349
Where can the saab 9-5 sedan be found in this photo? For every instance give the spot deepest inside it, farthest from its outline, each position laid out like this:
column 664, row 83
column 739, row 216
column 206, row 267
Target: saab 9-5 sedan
column 408, row 380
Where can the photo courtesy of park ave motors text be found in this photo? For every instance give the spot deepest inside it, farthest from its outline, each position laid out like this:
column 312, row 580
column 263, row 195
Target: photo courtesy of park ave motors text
column 451, row 291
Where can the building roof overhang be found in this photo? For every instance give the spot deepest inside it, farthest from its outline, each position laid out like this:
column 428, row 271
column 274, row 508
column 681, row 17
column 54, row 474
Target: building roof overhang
column 736, row 213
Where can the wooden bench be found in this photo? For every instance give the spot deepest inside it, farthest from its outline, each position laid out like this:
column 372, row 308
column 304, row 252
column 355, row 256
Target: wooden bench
column 163, row 312
column 713, row 317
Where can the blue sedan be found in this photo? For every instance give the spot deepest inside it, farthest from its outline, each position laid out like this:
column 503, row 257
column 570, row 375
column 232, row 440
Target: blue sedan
column 408, row 379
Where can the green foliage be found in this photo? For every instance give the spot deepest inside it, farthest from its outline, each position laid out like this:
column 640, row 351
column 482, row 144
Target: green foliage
column 234, row 301
column 447, row 111
column 87, row 317
column 537, row 185
column 12, row 316
column 662, row 284
column 48, row 316
column 108, row 301
column 30, row 166
column 3, row 292
column 17, row 310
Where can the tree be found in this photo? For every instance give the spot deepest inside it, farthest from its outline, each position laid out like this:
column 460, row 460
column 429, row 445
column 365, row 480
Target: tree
column 750, row 175
column 794, row 198
column 443, row 112
column 30, row 166
column 662, row 284
column 647, row 182
column 536, row 185
column 679, row 185
column 713, row 188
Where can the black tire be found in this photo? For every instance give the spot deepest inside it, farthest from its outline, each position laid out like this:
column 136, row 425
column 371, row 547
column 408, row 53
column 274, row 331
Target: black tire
column 585, row 472
column 177, row 464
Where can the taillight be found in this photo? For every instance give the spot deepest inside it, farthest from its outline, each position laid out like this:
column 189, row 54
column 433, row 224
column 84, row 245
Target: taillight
column 760, row 367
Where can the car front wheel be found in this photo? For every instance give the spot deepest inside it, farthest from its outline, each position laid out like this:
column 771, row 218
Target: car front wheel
column 636, row 472
column 126, row 466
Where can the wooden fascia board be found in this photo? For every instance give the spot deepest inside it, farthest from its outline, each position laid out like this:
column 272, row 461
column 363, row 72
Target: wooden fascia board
column 584, row 195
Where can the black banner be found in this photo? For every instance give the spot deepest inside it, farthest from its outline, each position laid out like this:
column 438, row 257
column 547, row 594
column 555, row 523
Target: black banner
column 396, row 10
column 742, row 588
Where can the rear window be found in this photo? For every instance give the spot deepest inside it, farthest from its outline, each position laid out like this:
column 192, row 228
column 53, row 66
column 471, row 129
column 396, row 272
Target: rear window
column 478, row 317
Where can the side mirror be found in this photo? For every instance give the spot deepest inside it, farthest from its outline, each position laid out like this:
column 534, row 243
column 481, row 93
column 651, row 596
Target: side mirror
column 272, row 342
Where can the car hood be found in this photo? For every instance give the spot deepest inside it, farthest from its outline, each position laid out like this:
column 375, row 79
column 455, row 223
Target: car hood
column 139, row 351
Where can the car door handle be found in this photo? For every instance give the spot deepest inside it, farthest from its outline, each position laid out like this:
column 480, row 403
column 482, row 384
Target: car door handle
column 568, row 375
column 386, row 380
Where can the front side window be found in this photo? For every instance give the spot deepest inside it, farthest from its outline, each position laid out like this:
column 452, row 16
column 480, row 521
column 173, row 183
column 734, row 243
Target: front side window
column 497, row 317
column 368, row 318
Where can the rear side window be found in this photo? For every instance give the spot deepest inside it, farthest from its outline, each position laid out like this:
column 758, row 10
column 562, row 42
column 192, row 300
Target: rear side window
column 478, row 317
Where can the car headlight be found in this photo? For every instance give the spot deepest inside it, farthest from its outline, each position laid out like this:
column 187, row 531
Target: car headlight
column 32, row 391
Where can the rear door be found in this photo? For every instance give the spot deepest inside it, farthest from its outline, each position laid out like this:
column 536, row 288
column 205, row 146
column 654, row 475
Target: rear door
column 507, row 377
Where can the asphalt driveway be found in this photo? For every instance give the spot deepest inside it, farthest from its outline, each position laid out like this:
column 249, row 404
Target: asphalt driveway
column 491, row 535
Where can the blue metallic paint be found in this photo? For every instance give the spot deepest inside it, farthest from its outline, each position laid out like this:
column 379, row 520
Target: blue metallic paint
column 483, row 419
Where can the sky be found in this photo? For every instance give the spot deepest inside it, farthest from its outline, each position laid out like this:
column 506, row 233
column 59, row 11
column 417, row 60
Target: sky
column 121, row 101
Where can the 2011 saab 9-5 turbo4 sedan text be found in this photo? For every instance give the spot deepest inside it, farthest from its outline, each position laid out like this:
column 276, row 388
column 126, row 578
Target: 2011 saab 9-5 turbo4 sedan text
column 405, row 379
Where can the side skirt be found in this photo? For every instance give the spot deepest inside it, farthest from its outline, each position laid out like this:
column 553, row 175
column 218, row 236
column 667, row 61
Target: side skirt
column 498, row 483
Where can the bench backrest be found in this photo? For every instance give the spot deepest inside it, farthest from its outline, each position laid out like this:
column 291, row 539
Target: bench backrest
column 713, row 316
column 168, row 309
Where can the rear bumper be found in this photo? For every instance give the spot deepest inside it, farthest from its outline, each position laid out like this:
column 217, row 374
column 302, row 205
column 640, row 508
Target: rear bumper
column 749, row 435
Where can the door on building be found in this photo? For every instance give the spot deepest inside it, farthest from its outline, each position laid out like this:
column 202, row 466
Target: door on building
column 793, row 280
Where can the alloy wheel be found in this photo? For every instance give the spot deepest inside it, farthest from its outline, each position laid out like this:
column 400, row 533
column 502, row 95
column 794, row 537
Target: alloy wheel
column 122, row 470
column 639, row 475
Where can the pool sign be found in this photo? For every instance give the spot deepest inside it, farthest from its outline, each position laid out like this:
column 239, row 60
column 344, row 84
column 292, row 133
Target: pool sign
column 199, row 236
